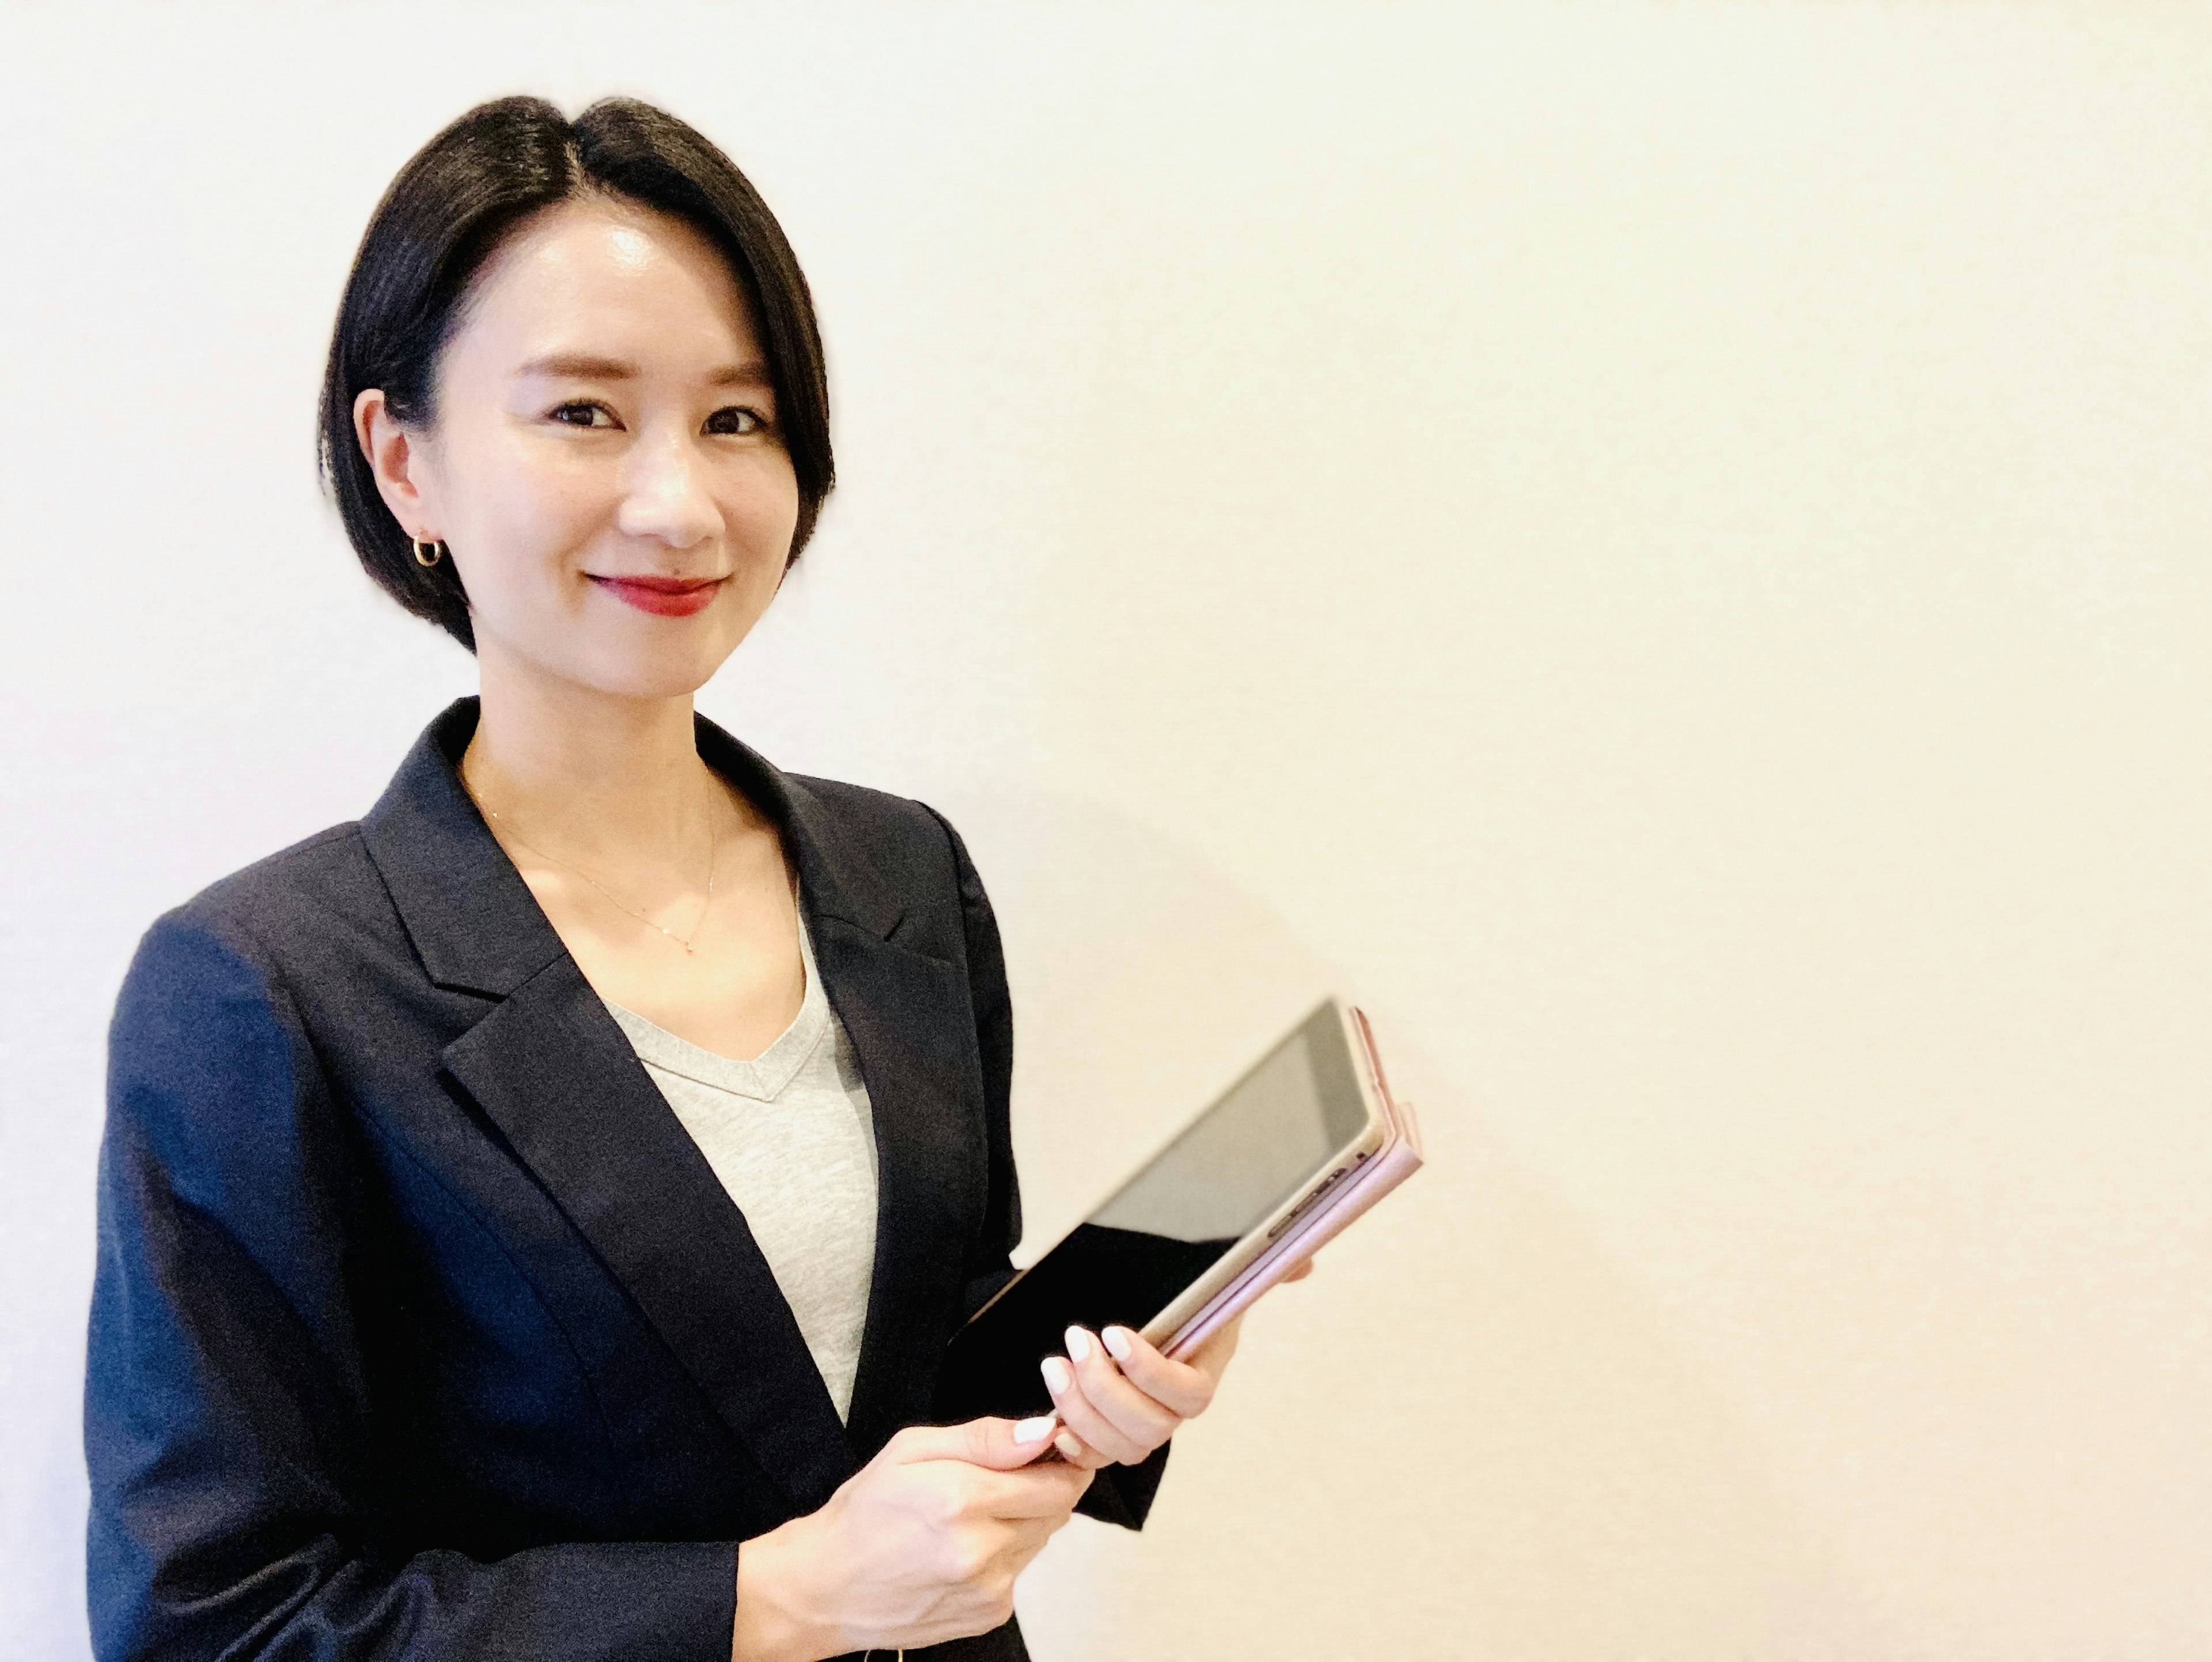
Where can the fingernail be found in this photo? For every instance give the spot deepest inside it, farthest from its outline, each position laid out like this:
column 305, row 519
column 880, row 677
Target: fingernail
column 1079, row 1345
column 1067, row 1445
column 1117, row 1342
column 1037, row 1430
column 1057, row 1374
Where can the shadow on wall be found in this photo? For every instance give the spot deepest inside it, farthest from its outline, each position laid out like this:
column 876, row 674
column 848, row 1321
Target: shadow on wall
column 1469, row 1417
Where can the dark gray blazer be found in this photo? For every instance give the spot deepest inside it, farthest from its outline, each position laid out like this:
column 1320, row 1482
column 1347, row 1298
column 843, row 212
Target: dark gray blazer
column 420, row 1327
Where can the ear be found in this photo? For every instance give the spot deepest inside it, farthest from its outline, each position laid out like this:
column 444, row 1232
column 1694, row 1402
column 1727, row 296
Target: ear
column 396, row 459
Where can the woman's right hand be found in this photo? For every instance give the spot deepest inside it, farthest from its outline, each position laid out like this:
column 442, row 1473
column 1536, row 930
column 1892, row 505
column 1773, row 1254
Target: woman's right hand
column 920, row 1545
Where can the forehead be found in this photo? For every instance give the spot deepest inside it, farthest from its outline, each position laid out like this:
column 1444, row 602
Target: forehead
column 605, row 276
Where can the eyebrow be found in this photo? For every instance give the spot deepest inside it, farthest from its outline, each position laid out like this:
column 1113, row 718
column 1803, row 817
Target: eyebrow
column 584, row 366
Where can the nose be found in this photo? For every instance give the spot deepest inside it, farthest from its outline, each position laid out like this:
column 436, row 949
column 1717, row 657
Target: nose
column 665, row 494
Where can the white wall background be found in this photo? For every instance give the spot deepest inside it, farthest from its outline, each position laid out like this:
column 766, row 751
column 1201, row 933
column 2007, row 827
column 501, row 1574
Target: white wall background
column 1661, row 546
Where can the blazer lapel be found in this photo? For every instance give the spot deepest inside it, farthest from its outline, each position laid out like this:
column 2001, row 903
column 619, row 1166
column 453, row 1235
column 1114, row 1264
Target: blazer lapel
column 909, row 1018
column 550, row 1067
column 904, row 1014
column 553, row 1071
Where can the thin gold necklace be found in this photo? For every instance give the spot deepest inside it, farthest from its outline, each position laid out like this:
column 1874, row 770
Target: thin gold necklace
column 714, row 846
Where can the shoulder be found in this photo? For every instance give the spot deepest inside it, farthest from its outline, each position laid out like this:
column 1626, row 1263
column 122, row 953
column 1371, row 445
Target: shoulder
column 242, row 931
column 905, row 844
column 210, row 1061
column 910, row 871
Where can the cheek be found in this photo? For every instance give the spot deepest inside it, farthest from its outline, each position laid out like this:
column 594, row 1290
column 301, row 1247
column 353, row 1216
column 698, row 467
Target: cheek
column 530, row 513
column 760, row 509
column 767, row 504
column 538, row 497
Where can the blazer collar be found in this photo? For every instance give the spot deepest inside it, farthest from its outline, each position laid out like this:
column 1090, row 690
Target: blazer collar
column 472, row 919
column 548, row 1064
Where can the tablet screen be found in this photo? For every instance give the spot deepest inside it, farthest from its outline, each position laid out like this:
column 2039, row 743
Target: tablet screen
column 1268, row 1137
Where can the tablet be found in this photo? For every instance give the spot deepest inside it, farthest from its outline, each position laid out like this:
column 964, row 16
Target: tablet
column 1305, row 1140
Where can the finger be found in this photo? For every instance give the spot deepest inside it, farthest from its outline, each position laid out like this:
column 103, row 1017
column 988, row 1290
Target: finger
column 1077, row 1453
column 1029, row 1537
column 999, row 1444
column 1133, row 1411
column 1080, row 1416
column 1048, row 1492
column 1301, row 1272
column 1184, row 1389
column 1149, row 1419
column 1043, row 1490
column 1007, row 1544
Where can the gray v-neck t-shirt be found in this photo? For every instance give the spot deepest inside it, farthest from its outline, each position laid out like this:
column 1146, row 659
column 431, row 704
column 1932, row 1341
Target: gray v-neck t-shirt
column 791, row 1138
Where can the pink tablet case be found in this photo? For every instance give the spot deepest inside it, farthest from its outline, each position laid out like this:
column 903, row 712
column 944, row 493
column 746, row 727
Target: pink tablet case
column 1327, row 1215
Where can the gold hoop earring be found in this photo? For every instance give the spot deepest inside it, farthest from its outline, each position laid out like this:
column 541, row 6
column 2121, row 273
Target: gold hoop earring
column 437, row 550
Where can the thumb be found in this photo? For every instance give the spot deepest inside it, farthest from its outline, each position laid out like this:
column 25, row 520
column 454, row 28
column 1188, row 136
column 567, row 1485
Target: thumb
column 999, row 1444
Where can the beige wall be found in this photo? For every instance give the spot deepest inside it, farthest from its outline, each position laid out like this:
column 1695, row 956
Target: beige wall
column 1659, row 547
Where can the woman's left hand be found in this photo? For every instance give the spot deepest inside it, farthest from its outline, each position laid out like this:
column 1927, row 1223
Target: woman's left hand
column 1119, row 1398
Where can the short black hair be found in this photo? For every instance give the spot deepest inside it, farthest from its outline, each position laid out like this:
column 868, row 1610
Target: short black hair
column 452, row 205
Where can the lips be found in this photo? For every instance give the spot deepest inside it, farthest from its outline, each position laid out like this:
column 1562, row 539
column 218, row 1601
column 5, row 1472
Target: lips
column 664, row 597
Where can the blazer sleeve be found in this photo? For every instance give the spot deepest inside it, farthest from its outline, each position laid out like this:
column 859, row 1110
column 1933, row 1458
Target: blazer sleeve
column 1118, row 1494
column 226, row 1409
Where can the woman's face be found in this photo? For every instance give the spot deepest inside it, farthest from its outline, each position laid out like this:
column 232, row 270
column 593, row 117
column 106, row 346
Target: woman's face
column 604, row 465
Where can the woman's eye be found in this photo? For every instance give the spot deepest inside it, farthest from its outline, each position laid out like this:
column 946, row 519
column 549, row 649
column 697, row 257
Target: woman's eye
column 735, row 419
column 584, row 413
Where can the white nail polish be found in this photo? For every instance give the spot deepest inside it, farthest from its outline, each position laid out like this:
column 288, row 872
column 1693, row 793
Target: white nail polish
column 1056, row 1374
column 1117, row 1342
column 1079, row 1345
column 1037, row 1430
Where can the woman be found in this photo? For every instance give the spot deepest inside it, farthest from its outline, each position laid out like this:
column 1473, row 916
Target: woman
column 531, row 1217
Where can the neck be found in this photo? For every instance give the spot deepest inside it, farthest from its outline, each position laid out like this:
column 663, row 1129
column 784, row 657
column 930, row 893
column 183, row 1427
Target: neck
column 594, row 774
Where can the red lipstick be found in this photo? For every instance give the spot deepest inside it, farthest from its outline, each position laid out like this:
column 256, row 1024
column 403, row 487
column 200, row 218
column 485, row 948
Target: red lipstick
column 664, row 597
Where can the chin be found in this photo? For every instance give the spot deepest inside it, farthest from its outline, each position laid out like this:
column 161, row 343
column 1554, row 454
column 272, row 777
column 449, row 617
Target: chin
column 658, row 669
column 659, row 679
column 666, row 659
